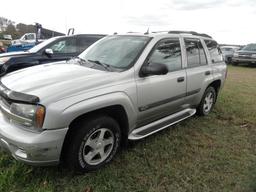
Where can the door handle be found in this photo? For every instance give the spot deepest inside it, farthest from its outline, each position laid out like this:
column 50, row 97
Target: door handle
column 207, row 72
column 180, row 79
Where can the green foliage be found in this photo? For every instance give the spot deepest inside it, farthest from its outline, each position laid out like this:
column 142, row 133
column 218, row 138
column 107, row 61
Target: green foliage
column 213, row 153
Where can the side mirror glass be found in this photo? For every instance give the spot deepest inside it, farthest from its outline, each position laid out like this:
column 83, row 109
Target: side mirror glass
column 154, row 69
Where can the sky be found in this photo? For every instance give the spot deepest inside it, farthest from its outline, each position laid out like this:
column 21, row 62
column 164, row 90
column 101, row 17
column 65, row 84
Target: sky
column 227, row 21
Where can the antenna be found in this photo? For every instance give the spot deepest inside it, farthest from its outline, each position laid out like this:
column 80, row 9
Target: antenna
column 71, row 31
column 147, row 32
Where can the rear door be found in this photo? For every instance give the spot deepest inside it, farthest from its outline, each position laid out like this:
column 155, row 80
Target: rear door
column 219, row 68
column 162, row 95
column 199, row 72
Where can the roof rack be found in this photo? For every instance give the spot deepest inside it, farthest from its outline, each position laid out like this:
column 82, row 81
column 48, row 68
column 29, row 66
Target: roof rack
column 190, row 32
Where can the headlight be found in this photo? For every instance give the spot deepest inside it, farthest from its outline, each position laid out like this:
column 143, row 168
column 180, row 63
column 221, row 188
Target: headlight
column 28, row 115
column 3, row 60
column 235, row 54
column 253, row 56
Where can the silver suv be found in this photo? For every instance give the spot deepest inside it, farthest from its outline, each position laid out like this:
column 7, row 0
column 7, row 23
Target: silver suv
column 124, row 87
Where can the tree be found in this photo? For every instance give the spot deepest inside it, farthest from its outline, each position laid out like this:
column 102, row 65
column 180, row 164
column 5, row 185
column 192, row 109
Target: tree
column 11, row 30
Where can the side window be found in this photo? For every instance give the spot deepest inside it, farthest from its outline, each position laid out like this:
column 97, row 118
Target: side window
column 214, row 51
column 167, row 52
column 85, row 42
column 64, row 46
column 192, row 52
column 195, row 53
column 29, row 37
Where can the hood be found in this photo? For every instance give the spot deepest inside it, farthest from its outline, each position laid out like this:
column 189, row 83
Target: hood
column 57, row 81
column 14, row 54
column 246, row 52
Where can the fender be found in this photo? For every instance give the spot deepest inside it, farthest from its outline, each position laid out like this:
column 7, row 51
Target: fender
column 60, row 120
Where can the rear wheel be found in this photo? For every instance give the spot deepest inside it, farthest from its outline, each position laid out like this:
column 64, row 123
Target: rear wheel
column 93, row 144
column 207, row 102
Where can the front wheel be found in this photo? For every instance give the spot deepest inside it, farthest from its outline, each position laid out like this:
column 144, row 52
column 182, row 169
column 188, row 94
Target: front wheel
column 229, row 60
column 207, row 102
column 93, row 144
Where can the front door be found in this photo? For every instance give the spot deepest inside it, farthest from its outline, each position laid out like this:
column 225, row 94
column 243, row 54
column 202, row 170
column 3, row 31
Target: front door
column 63, row 49
column 162, row 95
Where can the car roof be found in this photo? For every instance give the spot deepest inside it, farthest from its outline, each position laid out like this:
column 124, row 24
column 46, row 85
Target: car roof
column 99, row 35
column 78, row 35
column 169, row 34
column 227, row 46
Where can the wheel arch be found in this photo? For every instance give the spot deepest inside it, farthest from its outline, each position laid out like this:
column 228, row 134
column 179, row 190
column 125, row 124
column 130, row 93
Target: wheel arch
column 117, row 112
column 216, row 84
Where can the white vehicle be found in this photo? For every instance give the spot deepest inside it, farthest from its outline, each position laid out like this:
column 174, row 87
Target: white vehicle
column 28, row 38
column 228, row 52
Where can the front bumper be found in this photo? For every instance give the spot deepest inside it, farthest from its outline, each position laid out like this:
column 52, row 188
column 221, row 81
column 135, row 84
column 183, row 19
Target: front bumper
column 32, row 148
column 243, row 60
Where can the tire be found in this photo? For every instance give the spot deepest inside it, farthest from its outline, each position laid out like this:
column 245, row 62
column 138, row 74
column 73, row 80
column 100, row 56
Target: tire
column 234, row 63
column 207, row 102
column 93, row 143
column 229, row 60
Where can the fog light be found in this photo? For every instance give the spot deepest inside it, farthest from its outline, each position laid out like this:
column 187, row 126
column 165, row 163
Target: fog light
column 21, row 153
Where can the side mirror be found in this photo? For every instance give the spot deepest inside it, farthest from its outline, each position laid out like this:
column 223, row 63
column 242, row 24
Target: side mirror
column 48, row 52
column 154, row 69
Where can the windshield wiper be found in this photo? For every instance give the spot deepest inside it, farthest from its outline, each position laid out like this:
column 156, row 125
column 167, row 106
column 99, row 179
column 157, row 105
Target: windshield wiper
column 80, row 60
column 106, row 66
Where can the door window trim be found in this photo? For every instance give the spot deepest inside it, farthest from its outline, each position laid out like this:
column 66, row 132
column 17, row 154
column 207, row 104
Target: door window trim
column 186, row 56
column 154, row 48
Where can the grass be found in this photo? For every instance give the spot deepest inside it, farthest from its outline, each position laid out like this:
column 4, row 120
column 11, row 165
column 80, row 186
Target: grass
column 213, row 153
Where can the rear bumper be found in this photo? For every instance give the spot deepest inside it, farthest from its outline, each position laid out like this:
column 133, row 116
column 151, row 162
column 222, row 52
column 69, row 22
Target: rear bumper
column 32, row 148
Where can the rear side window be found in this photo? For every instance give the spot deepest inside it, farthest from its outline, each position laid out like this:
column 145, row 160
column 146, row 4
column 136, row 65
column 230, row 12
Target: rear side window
column 167, row 52
column 84, row 42
column 214, row 50
column 195, row 53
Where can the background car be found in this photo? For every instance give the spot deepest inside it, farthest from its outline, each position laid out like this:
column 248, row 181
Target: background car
column 52, row 50
column 247, row 55
column 228, row 52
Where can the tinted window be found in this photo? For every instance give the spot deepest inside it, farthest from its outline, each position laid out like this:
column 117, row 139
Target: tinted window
column 85, row 42
column 195, row 53
column 42, row 45
column 250, row 47
column 226, row 49
column 214, row 50
column 67, row 45
column 167, row 52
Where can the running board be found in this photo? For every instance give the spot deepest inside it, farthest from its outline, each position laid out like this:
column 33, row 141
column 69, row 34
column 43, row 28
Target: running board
column 161, row 124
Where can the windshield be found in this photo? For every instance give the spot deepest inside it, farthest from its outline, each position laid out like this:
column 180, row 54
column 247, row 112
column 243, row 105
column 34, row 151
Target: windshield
column 226, row 49
column 42, row 45
column 116, row 51
column 250, row 47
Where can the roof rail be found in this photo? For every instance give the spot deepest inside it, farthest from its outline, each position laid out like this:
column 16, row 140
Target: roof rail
column 190, row 32
column 160, row 31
